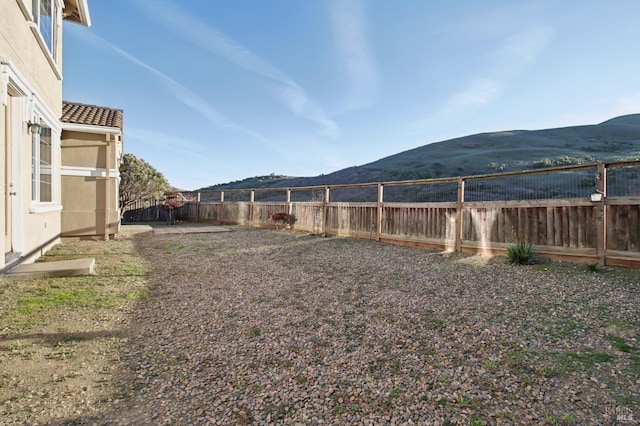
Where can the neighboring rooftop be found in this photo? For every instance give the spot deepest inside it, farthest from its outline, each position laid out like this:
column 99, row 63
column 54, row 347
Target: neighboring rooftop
column 77, row 11
column 93, row 115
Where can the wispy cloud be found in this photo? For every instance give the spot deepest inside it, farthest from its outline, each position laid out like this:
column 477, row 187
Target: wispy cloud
column 514, row 53
column 210, row 39
column 163, row 141
column 179, row 91
column 349, row 25
column 478, row 92
column 524, row 47
column 514, row 50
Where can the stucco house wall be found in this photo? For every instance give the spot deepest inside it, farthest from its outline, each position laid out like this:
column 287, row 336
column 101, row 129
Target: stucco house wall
column 91, row 155
column 31, row 92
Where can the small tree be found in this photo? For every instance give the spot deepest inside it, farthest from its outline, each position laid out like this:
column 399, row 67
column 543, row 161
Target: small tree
column 139, row 181
column 173, row 200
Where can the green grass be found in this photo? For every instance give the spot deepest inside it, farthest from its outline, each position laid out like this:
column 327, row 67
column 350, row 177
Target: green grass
column 578, row 361
column 619, row 343
column 47, row 298
column 118, row 279
column 277, row 412
column 169, row 247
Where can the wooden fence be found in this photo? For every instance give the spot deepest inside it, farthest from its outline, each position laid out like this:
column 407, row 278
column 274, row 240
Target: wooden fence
column 586, row 220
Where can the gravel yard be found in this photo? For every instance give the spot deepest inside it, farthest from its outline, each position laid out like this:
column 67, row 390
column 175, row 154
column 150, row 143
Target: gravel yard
column 260, row 326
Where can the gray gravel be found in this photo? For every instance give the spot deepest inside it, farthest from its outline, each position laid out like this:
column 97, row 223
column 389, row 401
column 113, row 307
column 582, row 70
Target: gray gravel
column 261, row 326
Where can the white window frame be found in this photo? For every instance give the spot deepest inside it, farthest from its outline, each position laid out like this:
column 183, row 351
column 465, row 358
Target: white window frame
column 49, row 45
column 42, row 165
column 44, row 117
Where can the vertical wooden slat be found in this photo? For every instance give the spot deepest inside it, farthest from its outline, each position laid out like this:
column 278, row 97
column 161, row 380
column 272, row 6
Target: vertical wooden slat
column 325, row 210
column 634, row 229
column 565, row 226
column 582, row 226
column 557, row 226
column 601, row 216
column 379, row 211
column 573, row 226
column 460, row 200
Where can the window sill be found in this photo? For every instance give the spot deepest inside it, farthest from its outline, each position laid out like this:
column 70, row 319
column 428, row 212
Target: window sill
column 45, row 208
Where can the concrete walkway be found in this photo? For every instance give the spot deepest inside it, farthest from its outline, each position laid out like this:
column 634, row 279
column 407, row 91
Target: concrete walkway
column 63, row 268
column 159, row 228
column 68, row 268
column 177, row 229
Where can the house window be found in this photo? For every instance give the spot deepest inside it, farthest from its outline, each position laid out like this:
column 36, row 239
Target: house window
column 42, row 165
column 44, row 14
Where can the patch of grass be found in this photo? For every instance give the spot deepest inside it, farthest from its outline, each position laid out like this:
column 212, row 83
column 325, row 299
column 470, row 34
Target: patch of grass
column 568, row 419
column 490, row 366
column 170, row 247
column 562, row 329
column 431, row 320
column 626, row 400
column 137, row 294
column 394, row 394
column 574, row 361
column 634, row 366
column 475, row 420
column 340, row 410
column 619, row 343
column 463, row 400
column 70, row 340
column 594, row 267
column 276, row 412
column 46, row 298
column 517, row 361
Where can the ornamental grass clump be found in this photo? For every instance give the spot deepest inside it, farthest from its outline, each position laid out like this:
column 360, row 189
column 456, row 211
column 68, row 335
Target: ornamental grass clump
column 521, row 253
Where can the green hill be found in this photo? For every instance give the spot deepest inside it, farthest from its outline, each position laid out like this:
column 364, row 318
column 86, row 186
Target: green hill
column 615, row 139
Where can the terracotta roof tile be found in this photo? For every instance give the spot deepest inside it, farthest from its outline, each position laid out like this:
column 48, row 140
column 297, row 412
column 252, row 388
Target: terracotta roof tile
column 92, row 115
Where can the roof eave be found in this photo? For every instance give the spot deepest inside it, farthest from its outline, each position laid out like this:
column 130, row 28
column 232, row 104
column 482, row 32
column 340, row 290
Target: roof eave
column 78, row 11
column 90, row 128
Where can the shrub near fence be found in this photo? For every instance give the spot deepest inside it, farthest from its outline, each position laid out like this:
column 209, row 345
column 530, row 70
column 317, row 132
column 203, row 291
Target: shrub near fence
column 588, row 213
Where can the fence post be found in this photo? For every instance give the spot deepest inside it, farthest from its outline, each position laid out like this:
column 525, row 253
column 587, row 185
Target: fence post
column 221, row 207
column 288, row 202
column 325, row 210
column 251, row 201
column 460, row 201
column 198, row 207
column 601, row 215
column 379, row 211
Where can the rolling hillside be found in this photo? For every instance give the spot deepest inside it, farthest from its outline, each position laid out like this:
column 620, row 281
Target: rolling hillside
column 615, row 139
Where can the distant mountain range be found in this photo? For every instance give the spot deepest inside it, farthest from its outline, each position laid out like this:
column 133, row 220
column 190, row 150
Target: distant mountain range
column 612, row 140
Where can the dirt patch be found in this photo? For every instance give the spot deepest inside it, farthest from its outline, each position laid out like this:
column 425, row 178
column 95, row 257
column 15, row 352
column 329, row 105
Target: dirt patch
column 60, row 338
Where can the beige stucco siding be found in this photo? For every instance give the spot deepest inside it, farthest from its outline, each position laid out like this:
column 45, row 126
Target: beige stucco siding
column 89, row 167
column 19, row 44
column 28, row 65
column 86, row 150
column 84, row 214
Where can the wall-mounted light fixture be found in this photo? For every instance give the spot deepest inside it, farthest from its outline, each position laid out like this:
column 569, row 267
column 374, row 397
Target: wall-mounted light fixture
column 596, row 197
column 34, row 128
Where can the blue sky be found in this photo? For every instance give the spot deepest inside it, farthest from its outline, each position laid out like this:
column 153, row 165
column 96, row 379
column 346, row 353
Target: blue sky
column 219, row 90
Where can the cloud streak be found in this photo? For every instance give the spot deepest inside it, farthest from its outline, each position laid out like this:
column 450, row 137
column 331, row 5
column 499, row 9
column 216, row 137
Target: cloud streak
column 178, row 91
column 349, row 26
column 208, row 38
column 516, row 52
